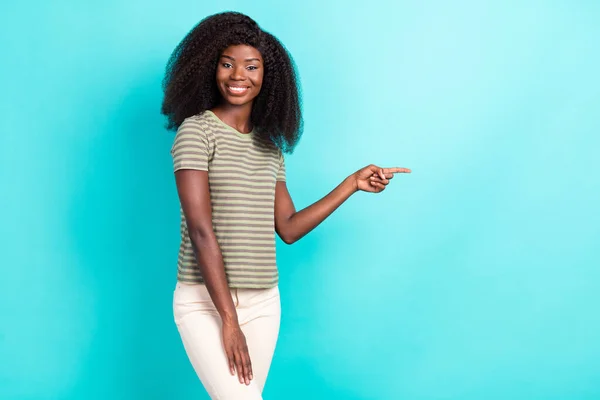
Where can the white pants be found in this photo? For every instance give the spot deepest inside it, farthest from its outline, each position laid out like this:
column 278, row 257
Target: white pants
column 199, row 325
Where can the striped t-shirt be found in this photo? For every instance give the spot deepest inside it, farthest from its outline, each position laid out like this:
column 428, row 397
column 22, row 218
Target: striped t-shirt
column 242, row 171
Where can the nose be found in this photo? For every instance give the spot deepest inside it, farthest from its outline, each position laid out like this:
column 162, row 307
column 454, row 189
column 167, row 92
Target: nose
column 238, row 73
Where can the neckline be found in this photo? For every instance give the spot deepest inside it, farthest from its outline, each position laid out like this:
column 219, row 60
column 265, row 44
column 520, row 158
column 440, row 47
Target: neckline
column 246, row 136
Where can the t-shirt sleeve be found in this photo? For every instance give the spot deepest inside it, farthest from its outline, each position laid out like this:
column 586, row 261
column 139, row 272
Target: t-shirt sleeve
column 281, row 170
column 192, row 147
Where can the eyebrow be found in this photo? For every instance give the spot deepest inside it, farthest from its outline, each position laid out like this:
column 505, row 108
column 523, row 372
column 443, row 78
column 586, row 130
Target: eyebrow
column 233, row 59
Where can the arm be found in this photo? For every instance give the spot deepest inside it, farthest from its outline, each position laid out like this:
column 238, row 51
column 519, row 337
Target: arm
column 194, row 195
column 292, row 225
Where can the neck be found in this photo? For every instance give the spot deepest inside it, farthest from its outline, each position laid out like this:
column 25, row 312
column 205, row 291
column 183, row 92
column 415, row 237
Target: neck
column 238, row 117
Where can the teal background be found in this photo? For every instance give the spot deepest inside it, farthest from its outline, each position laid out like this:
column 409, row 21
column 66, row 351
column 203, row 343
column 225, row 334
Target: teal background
column 475, row 277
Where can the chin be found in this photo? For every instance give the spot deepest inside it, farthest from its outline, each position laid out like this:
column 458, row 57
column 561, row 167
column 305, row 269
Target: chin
column 237, row 101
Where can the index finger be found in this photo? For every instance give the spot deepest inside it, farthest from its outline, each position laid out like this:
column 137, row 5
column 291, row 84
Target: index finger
column 396, row 170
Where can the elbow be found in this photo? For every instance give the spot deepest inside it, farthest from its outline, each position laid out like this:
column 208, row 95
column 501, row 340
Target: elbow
column 287, row 231
column 199, row 235
column 287, row 238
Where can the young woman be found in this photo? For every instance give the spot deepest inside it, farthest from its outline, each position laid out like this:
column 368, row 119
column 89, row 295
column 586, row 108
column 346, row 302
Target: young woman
column 231, row 94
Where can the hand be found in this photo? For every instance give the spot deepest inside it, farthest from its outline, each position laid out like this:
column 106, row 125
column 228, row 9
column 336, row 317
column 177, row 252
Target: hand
column 236, row 349
column 374, row 179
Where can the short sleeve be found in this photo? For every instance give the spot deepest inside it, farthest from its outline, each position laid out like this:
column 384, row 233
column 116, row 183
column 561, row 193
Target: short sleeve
column 192, row 147
column 281, row 170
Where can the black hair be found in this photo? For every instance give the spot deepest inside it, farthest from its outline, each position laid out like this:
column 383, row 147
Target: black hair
column 190, row 81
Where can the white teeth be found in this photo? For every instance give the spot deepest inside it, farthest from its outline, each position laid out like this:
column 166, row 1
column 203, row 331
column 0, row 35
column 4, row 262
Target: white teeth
column 237, row 89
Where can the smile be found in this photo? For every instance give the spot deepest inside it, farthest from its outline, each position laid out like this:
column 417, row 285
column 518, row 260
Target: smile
column 237, row 89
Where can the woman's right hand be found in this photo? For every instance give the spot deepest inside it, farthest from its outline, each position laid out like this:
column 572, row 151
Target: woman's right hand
column 236, row 349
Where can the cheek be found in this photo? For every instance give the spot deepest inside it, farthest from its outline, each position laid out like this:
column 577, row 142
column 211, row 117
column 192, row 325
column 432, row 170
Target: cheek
column 221, row 75
column 258, row 81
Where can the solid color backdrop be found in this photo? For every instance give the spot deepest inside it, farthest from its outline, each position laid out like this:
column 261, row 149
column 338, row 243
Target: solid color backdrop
column 475, row 277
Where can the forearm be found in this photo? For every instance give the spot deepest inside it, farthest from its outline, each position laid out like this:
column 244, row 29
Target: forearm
column 305, row 220
column 210, row 261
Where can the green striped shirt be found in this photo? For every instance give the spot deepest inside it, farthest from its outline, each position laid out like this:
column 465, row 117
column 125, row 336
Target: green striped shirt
column 242, row 171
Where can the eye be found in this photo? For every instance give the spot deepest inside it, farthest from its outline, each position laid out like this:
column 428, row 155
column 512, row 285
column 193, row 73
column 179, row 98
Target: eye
column 252, row 67
column 226, row 65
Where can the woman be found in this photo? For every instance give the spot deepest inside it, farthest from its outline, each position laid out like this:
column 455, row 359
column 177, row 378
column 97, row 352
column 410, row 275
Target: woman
column 232, row 95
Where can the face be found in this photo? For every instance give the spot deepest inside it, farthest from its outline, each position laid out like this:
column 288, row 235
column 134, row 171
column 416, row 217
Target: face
column 240, row 74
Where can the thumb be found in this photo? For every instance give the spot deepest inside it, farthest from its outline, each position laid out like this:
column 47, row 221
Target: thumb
column 373, row 168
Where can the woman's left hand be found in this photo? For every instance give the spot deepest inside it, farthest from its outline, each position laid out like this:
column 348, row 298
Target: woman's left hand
column 374, row 179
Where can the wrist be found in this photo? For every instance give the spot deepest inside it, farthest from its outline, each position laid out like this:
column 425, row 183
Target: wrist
column 351, row 183
column 229, row 319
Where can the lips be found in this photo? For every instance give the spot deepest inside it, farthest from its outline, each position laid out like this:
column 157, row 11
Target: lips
column 237, row 90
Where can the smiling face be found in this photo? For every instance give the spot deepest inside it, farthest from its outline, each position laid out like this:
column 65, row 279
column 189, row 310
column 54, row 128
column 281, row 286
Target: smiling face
column 240, row 74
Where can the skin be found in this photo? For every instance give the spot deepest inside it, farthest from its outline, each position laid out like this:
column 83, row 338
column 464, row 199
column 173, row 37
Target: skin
column 241, row 66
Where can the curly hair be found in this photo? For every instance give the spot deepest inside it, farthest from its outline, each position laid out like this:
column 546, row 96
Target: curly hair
column 190, row 81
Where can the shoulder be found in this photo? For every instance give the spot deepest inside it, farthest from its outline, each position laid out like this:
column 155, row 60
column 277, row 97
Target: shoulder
column 198, row 124
column 195, row 121
column 194, row 134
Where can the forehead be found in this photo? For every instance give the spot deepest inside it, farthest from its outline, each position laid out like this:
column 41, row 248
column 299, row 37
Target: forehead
column 242, row 52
